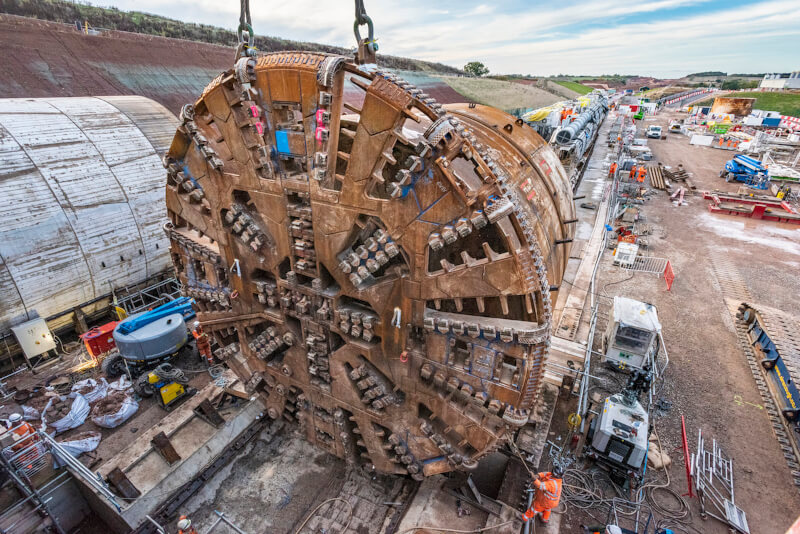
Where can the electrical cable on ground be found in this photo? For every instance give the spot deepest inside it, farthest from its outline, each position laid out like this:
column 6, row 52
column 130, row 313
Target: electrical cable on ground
column 323, row 503
column 437, row 529
column 581, row 490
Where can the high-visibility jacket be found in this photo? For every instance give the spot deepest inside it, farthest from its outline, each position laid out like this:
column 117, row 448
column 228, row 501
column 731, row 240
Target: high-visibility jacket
column 24, row 435
column 548, row 491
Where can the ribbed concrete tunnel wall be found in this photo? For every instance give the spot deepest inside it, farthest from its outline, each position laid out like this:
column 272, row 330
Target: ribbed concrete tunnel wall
column 81, row 200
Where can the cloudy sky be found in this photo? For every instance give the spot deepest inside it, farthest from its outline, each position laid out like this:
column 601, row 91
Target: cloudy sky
column 665, row 38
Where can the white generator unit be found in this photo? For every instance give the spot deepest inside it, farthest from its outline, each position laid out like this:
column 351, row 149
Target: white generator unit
column 625, row 254
column 632, row 335
column 620, row 434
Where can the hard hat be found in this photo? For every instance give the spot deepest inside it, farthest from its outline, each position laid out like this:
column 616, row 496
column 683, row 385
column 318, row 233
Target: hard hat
column 14, row 418
column 196, row 324
column 184, row 523
column 558, row 471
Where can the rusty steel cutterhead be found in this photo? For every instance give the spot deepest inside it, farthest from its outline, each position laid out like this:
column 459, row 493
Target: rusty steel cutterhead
column 379, row 268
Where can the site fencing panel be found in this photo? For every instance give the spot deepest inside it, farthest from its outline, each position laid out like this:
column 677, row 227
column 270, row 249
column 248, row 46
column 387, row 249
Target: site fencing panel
column 648, row 264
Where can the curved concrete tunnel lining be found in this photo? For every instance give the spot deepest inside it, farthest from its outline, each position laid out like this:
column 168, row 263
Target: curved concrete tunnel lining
column 100, row 217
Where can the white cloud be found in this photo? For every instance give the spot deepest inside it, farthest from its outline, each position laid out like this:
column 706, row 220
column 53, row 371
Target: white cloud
column 539, row 38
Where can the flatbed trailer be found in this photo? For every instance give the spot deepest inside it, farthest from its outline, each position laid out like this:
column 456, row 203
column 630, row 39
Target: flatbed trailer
column 775, row 349
column 753, row 207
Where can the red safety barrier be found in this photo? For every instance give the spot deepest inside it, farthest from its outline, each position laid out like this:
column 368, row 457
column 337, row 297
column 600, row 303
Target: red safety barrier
column 669, row 275
column 686, row 458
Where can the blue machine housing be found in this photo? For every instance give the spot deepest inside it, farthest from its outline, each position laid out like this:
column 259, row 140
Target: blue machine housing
column 747, row 170
column 154, row 335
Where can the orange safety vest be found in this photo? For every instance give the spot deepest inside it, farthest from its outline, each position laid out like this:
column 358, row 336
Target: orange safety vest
column 548, row 491
column 25, row 436
column 613, row 168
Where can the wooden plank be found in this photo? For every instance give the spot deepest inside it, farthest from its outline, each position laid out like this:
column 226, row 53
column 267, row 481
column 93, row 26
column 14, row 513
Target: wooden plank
column 576, row 299
column 236, row 393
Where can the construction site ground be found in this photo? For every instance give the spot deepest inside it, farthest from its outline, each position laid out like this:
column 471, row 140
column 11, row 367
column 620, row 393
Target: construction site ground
column 277, row 481
column 718, row 260
column 113, row 440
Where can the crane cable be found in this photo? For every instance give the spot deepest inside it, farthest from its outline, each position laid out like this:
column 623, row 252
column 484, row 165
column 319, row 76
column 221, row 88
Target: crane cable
column 367, row 47
column 245, row 25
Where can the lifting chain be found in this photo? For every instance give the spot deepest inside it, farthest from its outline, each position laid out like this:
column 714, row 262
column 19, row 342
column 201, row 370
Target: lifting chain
column 367, row 47
column 246, row 46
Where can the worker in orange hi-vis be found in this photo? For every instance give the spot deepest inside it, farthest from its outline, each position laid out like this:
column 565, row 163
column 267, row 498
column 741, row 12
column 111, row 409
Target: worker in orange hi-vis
column 185, row 526
column 612, row 171
column 642, row 174
column 23, row 433
column 203, row 343
column 632, row 174
column 548, row 495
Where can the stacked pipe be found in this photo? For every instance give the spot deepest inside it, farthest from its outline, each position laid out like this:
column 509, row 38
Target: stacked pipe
column 593, row 115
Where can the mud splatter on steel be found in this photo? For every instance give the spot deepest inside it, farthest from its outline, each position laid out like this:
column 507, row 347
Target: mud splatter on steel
column 380, row 273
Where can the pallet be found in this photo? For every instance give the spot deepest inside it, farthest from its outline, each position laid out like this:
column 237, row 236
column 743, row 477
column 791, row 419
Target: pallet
column 657, row 180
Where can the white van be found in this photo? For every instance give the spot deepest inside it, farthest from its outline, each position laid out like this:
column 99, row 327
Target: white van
column 654, row 132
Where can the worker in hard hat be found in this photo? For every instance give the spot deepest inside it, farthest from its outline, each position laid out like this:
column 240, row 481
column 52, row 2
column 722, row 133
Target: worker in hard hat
column 185, row 526
column 612, row 171
column 548, row 495
column 203, row 343
column 642, row 174
column 23, row 433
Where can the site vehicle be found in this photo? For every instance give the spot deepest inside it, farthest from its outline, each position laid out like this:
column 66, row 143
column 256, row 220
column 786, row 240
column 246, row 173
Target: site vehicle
column 654, row 132
column 675, row 126
column 146, row 342
column 747, row 170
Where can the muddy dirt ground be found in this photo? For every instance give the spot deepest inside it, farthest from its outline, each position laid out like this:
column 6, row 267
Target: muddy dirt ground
column 708, row 380
column 283, row 483
column 113, row 440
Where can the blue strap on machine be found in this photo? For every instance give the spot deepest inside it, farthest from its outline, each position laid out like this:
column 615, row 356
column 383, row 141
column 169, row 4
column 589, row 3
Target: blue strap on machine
column 182, row 305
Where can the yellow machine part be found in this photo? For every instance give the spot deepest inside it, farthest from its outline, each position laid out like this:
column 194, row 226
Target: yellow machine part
column 171, row 392
column 152, row 378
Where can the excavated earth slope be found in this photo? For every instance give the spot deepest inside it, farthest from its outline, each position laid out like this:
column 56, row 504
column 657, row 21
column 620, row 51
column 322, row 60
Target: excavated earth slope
column 46, row 59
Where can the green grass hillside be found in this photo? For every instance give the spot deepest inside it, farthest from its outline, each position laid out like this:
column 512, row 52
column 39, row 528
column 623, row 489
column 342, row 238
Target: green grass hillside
column 577, row 87
column 783, row 103
column 501, row 94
